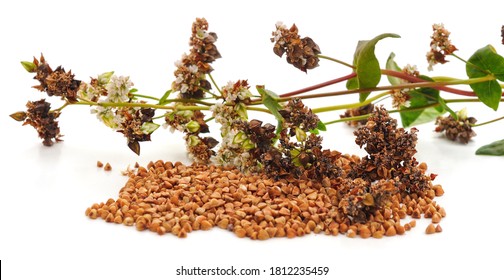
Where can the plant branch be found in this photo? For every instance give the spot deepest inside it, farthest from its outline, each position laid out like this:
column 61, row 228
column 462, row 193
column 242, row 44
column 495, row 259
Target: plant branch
column 321, row 85
column 145, row 96
column 335, row 60
column 488, row 122
column 215, row 84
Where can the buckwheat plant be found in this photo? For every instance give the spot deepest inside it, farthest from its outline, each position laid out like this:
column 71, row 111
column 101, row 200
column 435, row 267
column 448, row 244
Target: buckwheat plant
column 293, row 146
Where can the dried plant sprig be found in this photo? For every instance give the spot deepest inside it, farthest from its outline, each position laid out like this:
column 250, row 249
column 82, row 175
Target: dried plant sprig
column 293, row 146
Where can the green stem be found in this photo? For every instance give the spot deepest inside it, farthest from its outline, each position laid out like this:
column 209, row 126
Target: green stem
column 487, row 122
column 183, row 100
column 349, row 106
column 209, row 92
column 145, row 96
column 461, row 59
column 471, row 64
column 364, row 117
column 61, row 108
column 214, row 83
column 143, row 105
column 335, row 60
column 258, row 109
column 348, row 119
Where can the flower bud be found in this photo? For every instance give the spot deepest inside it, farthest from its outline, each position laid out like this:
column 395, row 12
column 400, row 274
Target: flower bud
column 241, row 110
column 104, row 78
column 248, row 144
column 29, row 66
column 193, row 126
column 19, row 116
column 462, row 114
column 193, row 140
column 300, row 135
column 240, row 137
column 149, row 127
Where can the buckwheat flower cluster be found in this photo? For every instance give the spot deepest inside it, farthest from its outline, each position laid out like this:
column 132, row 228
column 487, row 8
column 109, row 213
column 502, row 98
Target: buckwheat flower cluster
column 110, row 89
column 441, row 46
column 96, row 88
column 56, row 82
column 118, row 89
column 40, row 116
column 190, row 75
column 391, row 153
column 107, row 90
column 301, row 52
column 400, row 97
column 460, row 129
column 230, row 115
column 191, row 83
column 200, row 148
column 192, row 124
column 136, row 125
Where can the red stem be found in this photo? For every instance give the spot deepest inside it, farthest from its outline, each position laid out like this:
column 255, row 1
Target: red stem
column 321, row 85
column 414, row 79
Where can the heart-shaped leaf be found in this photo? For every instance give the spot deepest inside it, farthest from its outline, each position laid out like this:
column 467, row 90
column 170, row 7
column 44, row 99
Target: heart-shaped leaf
column 366, row 65
column 486, row 61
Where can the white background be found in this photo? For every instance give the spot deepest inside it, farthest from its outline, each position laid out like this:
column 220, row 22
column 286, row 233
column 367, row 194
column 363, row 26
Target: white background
column 44, row 192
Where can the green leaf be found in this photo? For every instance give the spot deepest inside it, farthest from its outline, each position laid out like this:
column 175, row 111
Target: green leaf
column 392, row 65
column 419, row 99
column 133, row 90
column 353, row 83
column 164, row 97
column 486, row 61
column 269, row 100
column 366, row 65
column 321, row 126
column 422, row 97
column 493, row 149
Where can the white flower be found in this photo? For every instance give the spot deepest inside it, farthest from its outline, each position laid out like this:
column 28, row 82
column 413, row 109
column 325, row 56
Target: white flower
column 193, row 69
column 184, row 88
column 180, row 79
column 107, row 116
column 118, row 89
column 85, row 91
column 280, row 25
column 431, row 59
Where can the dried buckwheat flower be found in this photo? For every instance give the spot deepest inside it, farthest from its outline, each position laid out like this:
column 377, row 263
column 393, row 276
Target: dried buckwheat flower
column 301, row 52
column 441, row 46
column 191, row 70
column 40, row 116
column 460, row 129
column 400, row 97
column 57, row 82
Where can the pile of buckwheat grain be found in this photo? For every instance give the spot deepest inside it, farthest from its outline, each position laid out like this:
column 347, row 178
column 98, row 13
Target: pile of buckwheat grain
column 327, row 192
column 175, row 198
